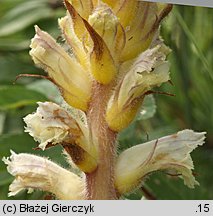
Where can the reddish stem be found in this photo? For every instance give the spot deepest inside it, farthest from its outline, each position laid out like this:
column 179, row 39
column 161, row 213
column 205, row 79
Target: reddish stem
column 100, row 183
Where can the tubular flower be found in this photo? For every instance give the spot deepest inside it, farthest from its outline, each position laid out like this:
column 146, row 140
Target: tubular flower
column 114, row 57
column 148, row 70
column 33, row 172
column 66, row 72
column 52, row 125
column 167, row 153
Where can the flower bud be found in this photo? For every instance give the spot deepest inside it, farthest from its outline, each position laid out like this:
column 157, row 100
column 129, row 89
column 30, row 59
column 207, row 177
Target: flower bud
column 102, row 65
column 107, row 25
column 141, row 20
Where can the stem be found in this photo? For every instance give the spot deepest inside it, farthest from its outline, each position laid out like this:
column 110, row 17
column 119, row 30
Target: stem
column 100, row 183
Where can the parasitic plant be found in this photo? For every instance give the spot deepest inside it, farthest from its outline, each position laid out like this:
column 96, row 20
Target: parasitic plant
column 111, row 60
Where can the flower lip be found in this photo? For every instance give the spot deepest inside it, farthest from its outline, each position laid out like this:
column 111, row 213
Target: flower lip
column 167, row 153
column 150, row 69
column 34, row 172
column 50, row 124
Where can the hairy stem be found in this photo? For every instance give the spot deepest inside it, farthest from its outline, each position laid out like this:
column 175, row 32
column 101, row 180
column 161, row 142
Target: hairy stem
column 100, row 183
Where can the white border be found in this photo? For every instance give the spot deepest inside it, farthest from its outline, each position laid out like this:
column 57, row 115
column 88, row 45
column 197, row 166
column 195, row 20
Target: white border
column 107, row 208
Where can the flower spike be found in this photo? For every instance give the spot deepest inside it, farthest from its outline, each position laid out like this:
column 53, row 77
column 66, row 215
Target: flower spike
column 112, row 58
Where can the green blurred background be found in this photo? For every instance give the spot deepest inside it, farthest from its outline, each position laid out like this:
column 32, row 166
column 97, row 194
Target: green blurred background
column 189, row 33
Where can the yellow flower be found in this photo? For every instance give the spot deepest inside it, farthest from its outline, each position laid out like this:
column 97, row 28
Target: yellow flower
column 101, row 38
column 140, row 21
column 34, row 172
column 148, row 70
column 66, row 72
column 52, row 124
column 170, row 153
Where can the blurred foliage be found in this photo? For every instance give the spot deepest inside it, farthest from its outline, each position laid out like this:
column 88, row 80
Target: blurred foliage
column 189, row 33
